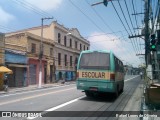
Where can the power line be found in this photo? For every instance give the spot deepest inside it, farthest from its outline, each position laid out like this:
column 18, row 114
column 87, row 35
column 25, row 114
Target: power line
column 135, row 16
column 126, row 20
column 99, row 16
column 134, row 13
column 102, row 19
column 86, row 16
column 124, row 16
column 119, row 18
column 32, row 8
column 83, row 13
column 122, row 23
column 129, row 17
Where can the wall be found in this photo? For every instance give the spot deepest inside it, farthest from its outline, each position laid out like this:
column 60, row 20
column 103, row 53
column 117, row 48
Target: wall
column 2, row 47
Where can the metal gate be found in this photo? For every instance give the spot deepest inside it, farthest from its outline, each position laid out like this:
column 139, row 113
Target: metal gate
column 32, row 72
column 19, row 77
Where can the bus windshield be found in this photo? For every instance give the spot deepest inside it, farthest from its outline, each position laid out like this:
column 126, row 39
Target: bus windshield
column 95, row 60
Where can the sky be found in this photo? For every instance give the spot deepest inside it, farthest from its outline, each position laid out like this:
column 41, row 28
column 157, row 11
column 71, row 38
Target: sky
column 106, row 27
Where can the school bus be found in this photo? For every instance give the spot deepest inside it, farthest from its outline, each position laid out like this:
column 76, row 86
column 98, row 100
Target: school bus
column 99, row 71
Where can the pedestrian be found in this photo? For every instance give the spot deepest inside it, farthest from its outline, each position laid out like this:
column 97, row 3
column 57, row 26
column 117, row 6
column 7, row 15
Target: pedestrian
column 6, row 83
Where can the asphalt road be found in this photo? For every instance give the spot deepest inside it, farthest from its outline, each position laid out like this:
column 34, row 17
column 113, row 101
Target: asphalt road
column 68, row 98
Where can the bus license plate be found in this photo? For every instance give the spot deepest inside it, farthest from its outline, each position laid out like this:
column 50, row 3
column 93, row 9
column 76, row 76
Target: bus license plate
column 93, row 89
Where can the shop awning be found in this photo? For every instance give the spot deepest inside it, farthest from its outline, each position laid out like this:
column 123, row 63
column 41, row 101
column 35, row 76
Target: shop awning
column 17, row 65
column 5, row 70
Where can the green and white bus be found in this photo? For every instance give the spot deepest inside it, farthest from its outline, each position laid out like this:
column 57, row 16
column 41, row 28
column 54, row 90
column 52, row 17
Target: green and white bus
column 99, row 71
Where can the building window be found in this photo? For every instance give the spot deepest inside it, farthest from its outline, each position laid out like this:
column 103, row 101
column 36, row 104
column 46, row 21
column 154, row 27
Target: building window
column 80, row 46
column 70, row 42
column 43, row 49
column 65, row 60
column 51, row 51
column 33, row 48
column 87, row 48
column 76, row 61
column 84, row 47
column 76, row 44
column 65, row 41
column 59, row 58
column 59, row 38
column 70, row 60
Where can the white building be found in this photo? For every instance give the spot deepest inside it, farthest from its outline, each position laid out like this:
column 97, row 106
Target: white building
column 68, row 45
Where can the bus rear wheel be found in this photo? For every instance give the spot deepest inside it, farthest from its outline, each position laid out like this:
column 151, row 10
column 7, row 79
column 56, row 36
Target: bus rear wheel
column 88, row 94
column 116, row 94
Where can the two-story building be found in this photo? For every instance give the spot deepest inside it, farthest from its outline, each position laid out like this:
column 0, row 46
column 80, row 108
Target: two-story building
column 22, row 51
column 2, row 48
column 68, row 45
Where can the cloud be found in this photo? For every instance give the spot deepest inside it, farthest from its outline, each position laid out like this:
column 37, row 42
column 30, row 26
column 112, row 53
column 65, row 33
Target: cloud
column 5, row 17
column 46, row 5
column 123, row 49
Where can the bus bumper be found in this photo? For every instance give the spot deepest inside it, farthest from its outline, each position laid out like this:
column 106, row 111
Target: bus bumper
column 99, row 86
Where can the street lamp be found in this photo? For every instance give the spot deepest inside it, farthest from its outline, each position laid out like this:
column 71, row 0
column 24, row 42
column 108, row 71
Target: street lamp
column 41, row 53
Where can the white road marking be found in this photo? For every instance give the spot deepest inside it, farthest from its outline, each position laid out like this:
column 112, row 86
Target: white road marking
column 64, row 104
column 59, row 106
column 34, row 96
column 130, row 79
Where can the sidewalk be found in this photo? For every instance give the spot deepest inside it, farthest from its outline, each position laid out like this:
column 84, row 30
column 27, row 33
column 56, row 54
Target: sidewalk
column 34, row 87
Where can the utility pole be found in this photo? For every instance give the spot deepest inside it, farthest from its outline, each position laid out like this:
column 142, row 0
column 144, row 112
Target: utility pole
column 41, row 53
column 147, row 42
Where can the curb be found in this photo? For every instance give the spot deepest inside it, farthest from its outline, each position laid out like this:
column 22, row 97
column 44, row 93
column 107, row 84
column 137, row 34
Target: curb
column 29, row 88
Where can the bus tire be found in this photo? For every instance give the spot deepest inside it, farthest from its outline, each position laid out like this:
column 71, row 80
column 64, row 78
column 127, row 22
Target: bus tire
column 116, row 94
column 88, row 94
column 122, row 90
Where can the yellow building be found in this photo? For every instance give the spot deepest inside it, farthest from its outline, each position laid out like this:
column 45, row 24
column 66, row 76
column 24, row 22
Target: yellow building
column 1, row 49
column 1, row 58
column 25, row 61
column 68, row 45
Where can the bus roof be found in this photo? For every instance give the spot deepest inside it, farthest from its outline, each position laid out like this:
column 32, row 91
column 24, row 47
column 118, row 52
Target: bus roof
column 90, row 51
column 103, row 51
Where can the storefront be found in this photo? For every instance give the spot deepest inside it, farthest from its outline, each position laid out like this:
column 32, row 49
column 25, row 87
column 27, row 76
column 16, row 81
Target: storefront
column 17, row 62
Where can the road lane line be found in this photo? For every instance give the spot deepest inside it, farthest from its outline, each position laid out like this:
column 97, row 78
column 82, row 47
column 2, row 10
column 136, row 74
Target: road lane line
column 35, row 96
column 64, row 104
column 130, row 79
column 59, row 106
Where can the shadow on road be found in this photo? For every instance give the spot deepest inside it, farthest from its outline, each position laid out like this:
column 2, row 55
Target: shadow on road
column 103, row 97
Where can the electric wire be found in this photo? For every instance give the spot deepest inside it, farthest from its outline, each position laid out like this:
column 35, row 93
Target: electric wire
column 124, row 16
column 126, row 20
column 130, row 19
column 122, row 22
column 103, row 19
column 135, row 17
column 31, row 7
column 86, row 16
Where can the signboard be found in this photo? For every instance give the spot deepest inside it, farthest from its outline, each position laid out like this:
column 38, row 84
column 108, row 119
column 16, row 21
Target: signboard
column 149, row 72
column 94, row 74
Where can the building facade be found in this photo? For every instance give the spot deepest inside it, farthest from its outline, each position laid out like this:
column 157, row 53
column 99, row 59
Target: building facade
column 2, row 55
column 68, row 45
column 2, row 48
column 22, row 57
